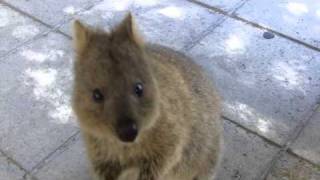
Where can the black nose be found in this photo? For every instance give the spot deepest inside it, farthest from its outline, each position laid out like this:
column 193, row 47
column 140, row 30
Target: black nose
column 127, row 130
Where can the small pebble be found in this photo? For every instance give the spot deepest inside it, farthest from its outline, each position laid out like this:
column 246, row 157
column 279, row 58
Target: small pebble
column 268, row 35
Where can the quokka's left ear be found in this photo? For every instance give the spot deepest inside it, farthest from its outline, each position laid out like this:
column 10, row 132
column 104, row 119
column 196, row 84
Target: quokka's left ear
column 127, row 30
column 81, row 36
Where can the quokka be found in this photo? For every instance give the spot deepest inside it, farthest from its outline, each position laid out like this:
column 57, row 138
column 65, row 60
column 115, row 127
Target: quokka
column 143, row 107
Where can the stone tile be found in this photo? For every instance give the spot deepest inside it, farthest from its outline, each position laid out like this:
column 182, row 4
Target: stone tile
column 308, row 143
column 51, row 11
column 109, row 13
column 9, row 170
column 292, row 168
column 268, row 85
column 245, row 154
column 71, row 164
column 299, row 18
column 15, row 28
column 103, row 15
column 173, row 23
column 35, row 92
column 228, row 5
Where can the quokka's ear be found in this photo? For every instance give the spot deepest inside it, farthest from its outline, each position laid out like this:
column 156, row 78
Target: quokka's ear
column 127, row 30
column 81, row 36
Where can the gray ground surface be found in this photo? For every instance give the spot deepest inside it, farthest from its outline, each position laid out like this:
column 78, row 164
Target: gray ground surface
column 270, row 87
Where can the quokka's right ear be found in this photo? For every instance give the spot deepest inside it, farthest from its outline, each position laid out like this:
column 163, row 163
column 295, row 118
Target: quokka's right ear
column 127, row 30
column 81, row 36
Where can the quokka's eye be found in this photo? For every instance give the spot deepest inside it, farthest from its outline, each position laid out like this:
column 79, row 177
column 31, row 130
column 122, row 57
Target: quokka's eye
column 138, row 89
column 97, row 96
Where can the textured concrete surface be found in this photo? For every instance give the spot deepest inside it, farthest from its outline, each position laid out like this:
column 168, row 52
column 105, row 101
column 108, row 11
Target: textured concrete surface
column 249, row 151
column 9, row 170
column 308, row 143
column 15, row 29
column 245, row 154
column 228, row 5
column 292, row 168
column 270, row 84
column 70, row 164
column 50, row 11
column 299, row 18
column 157, row 20
column 35, row 112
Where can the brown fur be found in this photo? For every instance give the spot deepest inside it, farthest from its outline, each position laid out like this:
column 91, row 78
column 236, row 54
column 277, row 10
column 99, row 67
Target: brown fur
column 178, row 117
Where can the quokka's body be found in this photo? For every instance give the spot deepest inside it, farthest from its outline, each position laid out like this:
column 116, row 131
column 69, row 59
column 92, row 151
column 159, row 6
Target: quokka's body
column 143, row 109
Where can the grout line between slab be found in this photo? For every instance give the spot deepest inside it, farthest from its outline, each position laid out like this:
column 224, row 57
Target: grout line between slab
column 63, row 147
column 28, row 41
column 256, row 25
column 253, row 132
column 28, row 176
column 292, row 137
column 51, row 28
column 304, row 159
column 15, row 163
column 299, row 128
column 213, row 26
column 31, row 16
column 205, row 33
column 268, row 168
column 72, row 139
column 239, row 5
column 279, row 154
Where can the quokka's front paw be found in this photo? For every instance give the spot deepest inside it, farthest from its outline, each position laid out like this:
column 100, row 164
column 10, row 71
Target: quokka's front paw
column 129, row 174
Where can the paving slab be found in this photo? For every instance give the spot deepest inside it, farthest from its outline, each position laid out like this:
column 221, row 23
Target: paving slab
column 173, row 23
column 71, row 164
column 15, row 29
column 35, row 111
column 9, row 170
column 51, row 11
column 267, row 85
column 289, row 167
column 308, row 143
column 245, row 154
column 299, row 18
column 229, row 5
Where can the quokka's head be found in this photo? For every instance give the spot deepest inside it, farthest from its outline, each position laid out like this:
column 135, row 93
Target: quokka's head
column 115, row 95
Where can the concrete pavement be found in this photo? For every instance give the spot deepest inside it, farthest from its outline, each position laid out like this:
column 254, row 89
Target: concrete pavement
column 270, row 86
